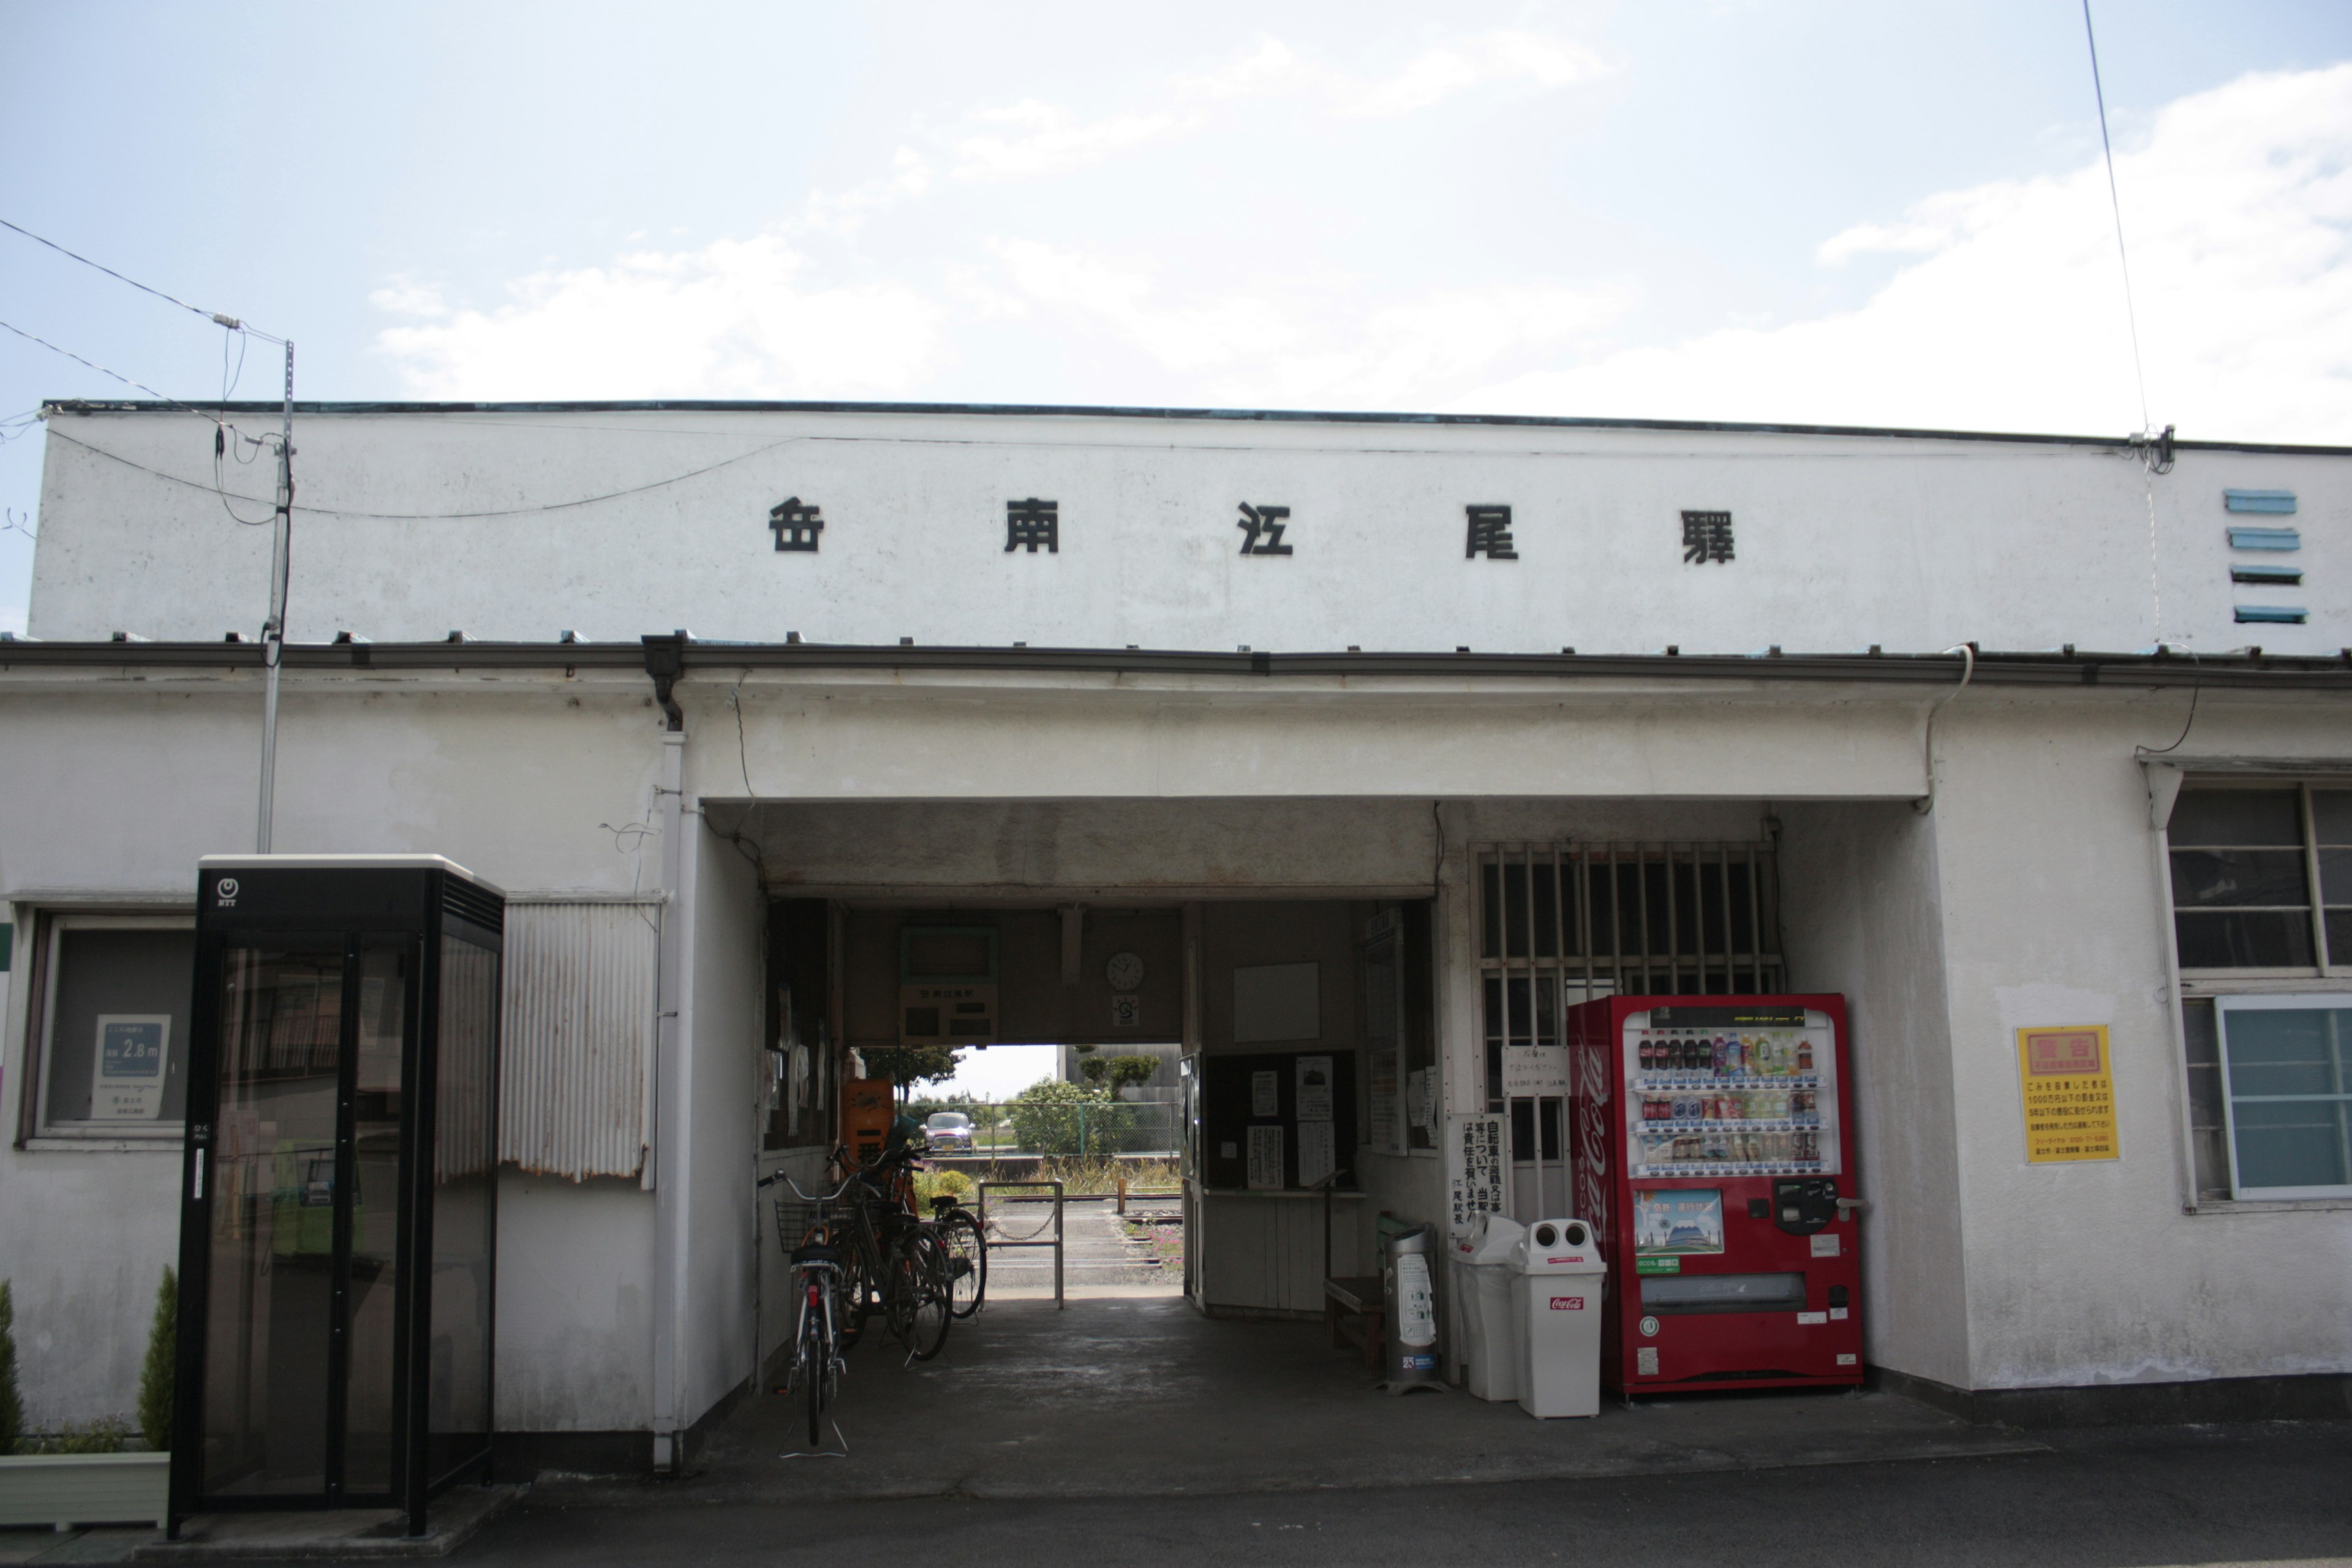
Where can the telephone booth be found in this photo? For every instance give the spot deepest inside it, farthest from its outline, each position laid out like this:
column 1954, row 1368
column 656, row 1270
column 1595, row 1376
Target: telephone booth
column 338, row 1215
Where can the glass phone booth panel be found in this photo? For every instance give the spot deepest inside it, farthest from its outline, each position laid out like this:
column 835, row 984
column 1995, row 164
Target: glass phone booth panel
column 338, row 1190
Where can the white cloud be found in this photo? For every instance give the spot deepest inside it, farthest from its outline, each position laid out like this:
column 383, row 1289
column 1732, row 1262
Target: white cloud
column 1030, row 138
column 738, row 319
column 1271, row 68
column 1322, row 346
column 1038, row 139
column 2236, row 205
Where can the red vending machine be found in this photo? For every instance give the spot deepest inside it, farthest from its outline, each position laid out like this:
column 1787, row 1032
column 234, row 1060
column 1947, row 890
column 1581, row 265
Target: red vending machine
column 1713, row 1148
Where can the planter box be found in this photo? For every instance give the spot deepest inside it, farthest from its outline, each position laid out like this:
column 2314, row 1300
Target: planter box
column 68, row 1490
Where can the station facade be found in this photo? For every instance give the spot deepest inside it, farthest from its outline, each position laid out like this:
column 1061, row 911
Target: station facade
column 1987, row 734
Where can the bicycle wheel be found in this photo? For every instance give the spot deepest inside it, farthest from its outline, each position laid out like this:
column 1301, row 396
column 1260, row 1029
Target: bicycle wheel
column 815, row 1363
column 967, row 1250
column 919, row 1306
column 850, row 1304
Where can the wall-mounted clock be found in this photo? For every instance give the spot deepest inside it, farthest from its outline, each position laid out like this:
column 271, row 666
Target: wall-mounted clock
column 1124, row 971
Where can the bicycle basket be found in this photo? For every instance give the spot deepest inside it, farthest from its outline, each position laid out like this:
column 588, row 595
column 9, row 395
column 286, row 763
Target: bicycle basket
column 795, row 1219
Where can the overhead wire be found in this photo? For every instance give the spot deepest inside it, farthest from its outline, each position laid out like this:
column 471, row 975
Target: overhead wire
column 111, row 272
column 2115, row 201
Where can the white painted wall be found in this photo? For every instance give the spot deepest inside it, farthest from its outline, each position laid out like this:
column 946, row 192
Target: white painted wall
column 2052, row 913
column 121, row 784
column 1861, row 916
column 1842, row 542
column 575, row 1309
column 721, row 1031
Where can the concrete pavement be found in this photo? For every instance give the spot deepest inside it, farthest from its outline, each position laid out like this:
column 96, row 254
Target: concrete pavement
column 2109, row 1498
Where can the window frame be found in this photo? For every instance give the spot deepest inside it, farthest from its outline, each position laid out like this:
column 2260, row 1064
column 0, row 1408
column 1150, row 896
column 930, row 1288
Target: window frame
column 2270, row 1002
column 34, row 1129
column 2215, row 981
column 2211, row 987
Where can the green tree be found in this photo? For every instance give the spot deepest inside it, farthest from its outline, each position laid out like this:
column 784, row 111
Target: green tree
column 1051, row 1117
column 162, row 1358
column 12, row 1403
column 908, row 1066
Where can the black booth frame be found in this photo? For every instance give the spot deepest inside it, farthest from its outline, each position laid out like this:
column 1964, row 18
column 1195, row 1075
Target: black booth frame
column 319, row 908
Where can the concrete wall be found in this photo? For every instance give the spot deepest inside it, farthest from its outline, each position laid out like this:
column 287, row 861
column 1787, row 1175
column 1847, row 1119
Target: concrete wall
column 132, row 783
column 1860, row 915
column 575, row 1305
column 721, row 1033
column 1841, row 541
column 2053, row 913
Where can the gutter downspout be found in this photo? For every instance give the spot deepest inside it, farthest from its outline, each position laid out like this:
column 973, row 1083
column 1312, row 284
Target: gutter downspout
column 665, row 1162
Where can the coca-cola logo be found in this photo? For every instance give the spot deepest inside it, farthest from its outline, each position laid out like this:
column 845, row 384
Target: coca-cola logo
column 1567, row 1303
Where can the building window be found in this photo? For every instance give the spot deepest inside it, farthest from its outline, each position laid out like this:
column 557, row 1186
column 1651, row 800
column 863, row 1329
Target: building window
column 109, row 1016
column 2271, row 1094
column 2261, row 880
column 2262, row 897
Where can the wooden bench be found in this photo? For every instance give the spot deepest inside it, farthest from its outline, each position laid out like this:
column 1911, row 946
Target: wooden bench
column 1355, row 1306
column 1355, row 1312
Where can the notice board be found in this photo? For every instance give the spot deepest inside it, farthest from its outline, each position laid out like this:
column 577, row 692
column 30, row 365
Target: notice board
column 1297, row 1109
column 2070, row 1095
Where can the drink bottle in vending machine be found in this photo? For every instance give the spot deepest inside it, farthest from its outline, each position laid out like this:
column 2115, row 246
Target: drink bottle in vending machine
column 1714, row 1156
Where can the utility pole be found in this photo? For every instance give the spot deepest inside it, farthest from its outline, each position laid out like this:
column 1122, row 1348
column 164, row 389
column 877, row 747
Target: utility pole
column 273, row 630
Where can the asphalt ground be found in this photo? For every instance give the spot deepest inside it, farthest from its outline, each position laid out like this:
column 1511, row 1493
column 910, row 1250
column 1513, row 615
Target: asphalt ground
column 2115, row 1498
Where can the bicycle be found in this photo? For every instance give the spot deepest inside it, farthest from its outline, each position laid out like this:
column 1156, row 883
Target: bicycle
column 966, row 1244
column 898, row 1261
column 817, row 1277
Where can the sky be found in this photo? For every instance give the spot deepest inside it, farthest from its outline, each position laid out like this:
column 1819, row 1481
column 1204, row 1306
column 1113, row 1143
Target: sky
column 1826, row 211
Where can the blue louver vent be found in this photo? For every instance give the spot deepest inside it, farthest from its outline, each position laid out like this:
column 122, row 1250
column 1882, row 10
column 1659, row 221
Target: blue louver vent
column 2263, row 571
column 2281, row 614
column 2259, row 501
column 2265, row 539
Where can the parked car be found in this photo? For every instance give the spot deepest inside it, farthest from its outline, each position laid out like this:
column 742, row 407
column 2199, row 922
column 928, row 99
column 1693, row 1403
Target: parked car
column 948, row 1133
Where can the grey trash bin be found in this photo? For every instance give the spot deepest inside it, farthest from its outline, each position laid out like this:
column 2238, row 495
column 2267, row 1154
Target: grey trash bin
column 1409, row 1298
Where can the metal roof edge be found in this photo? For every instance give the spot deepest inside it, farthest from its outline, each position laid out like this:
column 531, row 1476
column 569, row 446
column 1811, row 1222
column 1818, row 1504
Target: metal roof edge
column 1121, row 411
column 2045, row 670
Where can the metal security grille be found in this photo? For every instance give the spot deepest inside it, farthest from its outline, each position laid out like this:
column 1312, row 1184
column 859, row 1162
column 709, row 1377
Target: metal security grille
column 1559, row 923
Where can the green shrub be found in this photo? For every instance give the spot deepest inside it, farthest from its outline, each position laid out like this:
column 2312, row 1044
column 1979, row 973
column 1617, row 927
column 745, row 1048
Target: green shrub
column 103, row 1435
column 930, row 1185
column 1051, row 1117
column 162, row 1355
column 12, row 1403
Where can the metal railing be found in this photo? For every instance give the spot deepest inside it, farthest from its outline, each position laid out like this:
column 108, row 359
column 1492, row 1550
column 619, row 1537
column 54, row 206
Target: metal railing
column 989, row 1238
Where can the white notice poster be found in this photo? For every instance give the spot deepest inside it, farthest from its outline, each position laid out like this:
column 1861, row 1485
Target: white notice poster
column 1416, row 1097
column 1474, row 1169
column 127, row 1070
column 1266, row 1094
column 1313, row 1089
column 1265, row 1159
column 1318, row 1156
column 1535, row 1070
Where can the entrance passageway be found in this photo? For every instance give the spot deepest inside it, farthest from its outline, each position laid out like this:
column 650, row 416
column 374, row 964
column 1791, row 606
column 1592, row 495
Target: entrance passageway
column 1124, row 1397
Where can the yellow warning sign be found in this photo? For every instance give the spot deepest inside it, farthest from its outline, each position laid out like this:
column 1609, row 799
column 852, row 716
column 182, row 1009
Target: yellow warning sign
column 2070, row 1095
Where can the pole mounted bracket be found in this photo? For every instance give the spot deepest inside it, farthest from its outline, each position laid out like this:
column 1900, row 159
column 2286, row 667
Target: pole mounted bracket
column 664, row 662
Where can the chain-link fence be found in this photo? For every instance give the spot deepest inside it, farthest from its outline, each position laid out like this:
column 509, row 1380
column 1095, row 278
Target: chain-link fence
column 1081, row 1128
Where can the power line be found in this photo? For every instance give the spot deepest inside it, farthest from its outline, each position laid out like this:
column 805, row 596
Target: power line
column 449, row 515
column 212, row 419
column 111, row 272
column 2131, row 315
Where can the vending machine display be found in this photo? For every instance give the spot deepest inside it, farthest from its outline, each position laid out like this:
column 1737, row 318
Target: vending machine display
column 1712, row 1150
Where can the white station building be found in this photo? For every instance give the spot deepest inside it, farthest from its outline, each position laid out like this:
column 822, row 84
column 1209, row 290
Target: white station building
column 1984, row 733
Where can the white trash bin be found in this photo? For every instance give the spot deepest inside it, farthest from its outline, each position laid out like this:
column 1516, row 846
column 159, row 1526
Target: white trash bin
column 1555, row 1309
column 1490, row 1346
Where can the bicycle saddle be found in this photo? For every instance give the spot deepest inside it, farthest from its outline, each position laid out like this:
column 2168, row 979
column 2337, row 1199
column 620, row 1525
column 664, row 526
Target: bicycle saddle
column 815, row 1252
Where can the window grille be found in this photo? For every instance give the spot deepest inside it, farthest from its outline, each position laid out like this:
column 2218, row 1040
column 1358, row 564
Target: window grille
column 1562, row 923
